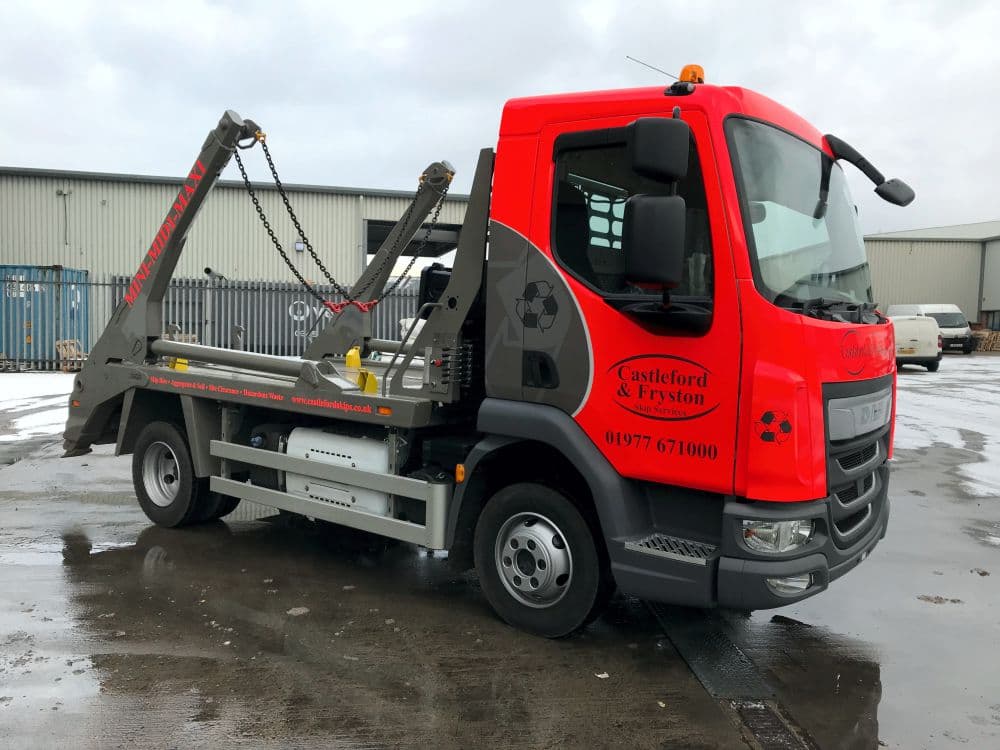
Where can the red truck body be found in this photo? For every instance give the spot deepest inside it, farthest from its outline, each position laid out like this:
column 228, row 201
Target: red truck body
column 755, row 358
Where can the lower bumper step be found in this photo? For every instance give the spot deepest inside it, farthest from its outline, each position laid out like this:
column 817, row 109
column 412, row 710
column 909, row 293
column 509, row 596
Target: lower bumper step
column 674, row 548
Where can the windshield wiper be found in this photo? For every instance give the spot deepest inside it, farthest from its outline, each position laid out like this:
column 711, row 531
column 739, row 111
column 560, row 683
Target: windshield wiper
column 816, row 303
column 840, row 310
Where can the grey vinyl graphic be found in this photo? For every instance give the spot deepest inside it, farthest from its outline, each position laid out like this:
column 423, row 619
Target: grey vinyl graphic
column 529, row 307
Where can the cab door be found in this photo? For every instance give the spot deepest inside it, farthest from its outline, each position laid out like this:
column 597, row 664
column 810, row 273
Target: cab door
column 658, row 397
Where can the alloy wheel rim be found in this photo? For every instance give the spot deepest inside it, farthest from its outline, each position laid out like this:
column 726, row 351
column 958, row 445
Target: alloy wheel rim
column 534, row 562
column 160, row 474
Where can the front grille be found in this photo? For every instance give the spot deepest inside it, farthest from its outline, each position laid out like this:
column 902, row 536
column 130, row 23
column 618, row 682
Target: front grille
column 858, row 457
column 851, row 524
column 851, row 493
column 685, row 550
column 855, row 467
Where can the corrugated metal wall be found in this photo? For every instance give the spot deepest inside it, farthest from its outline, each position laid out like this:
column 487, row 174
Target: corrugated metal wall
column 991, row 276
column 926, row 271
column 105, row 226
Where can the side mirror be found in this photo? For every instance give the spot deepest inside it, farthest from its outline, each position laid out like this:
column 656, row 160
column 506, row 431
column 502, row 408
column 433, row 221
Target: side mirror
column 658, row 148
column 895, row 191
column 653, row 240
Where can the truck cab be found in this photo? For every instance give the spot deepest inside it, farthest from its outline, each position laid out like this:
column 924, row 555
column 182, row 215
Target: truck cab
column 655, row 366
column 747, row 425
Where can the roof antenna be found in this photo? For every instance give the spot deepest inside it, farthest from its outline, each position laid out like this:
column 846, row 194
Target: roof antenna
column 651, row 67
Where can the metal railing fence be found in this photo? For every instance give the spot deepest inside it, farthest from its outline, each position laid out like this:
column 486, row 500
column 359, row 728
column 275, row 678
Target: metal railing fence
column 45, row 319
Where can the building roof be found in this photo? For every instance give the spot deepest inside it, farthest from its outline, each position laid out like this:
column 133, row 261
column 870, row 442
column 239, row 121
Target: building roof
column 66, row 174
column 980, row 231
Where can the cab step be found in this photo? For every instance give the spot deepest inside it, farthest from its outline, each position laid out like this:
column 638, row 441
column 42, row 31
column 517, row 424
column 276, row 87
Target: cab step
column 674, row 548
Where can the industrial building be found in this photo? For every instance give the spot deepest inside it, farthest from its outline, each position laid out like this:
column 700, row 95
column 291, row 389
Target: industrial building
column 103, row 223
column 70, row 242
column 957, row 264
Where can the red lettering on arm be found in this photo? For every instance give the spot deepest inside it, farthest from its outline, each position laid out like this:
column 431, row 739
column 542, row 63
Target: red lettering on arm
column 197, row 171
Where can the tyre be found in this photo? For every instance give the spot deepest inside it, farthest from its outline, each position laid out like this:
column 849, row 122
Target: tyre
column 169, row 493
column 227, row 505
column 538, row 561
column 216, row 506
column 932, row 366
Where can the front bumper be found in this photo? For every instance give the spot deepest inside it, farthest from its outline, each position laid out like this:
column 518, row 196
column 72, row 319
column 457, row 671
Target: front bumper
column 965, row 343
column 732, row 576
column 742, row 581
column 916, row 359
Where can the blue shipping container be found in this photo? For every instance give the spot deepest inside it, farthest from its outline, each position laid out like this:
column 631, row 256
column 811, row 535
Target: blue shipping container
column 40, row 305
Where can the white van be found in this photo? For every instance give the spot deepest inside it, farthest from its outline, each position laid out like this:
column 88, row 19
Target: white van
column 955, row 330
column 918, row 341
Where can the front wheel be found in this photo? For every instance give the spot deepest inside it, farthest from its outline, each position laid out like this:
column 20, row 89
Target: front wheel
column 539, row 564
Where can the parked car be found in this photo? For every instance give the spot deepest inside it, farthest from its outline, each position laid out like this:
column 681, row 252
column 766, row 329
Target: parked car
column 918, row 341
column 955, row 330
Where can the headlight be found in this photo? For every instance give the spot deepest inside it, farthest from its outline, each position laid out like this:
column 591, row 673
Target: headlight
column 776, row 536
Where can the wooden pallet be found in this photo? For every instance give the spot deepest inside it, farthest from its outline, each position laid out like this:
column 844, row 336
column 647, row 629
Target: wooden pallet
column 71, row 354
column 987, row 341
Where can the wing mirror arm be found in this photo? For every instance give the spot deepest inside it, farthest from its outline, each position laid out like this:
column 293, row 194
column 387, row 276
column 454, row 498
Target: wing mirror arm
column 894, row 190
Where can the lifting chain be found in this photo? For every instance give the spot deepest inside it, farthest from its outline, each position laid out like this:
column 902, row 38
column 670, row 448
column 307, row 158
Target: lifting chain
column 334, row 307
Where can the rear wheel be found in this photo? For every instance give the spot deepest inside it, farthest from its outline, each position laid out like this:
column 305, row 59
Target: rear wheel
column 169, row 493
column 538, row 562
column 217, row 506
column 932, row 366
column 227, row 505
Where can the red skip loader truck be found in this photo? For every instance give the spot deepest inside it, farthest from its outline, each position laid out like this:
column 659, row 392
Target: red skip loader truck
column 655, row 364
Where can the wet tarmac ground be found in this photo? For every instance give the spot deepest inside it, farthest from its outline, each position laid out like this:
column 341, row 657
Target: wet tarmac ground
column 261, row 632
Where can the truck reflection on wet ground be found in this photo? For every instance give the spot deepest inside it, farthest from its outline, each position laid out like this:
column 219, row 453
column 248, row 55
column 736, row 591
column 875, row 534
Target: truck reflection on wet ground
column 262, row 630
column 288, row 628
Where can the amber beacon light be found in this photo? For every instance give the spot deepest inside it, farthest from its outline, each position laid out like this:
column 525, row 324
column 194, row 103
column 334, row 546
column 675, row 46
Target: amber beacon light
column 692, row 74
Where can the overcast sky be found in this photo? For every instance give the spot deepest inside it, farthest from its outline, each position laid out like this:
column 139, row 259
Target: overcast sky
column 368, row 93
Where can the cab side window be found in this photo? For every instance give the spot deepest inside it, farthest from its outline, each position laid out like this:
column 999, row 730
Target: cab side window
column 593, row 181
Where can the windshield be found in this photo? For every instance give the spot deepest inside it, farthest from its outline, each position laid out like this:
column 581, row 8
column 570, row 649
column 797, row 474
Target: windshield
column 798, row 257
column 949, row 320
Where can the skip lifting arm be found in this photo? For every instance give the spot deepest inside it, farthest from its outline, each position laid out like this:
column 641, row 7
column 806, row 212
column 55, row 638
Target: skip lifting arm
column 138, row 319
column 352, row 326
column 140, row 316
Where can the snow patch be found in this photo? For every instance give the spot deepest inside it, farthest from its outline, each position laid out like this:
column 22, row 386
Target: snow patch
column 44, row 469
column 935, row 409
column 28, row 391
column 47, row 471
